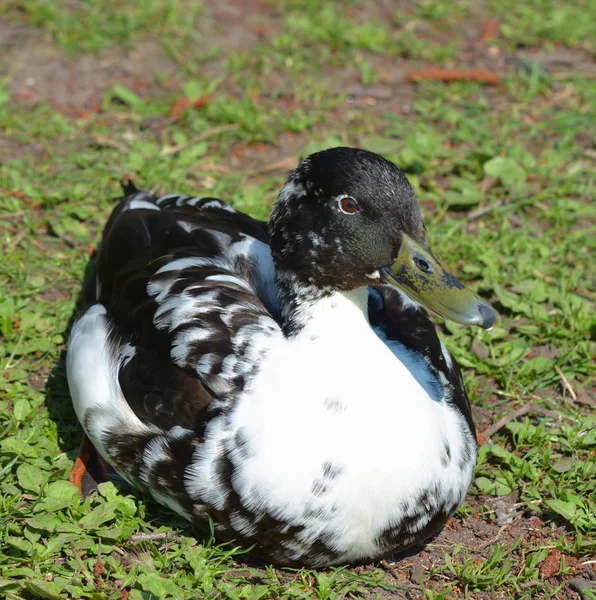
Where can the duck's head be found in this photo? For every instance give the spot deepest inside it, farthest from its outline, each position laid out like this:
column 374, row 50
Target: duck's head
column 348, row 218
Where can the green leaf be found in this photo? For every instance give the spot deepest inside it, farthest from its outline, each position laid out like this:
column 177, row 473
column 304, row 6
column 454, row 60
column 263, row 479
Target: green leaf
column 159, row 586
column 30, row 478
column 463, row 198
column 127, row 506
column 537, row 366
column 22, row 408
column 44, row 589
column 506, row 170
column 58, row 496
column 18, row 447
column 193, row 89
column 20, row 544
column 69, row 227
column 189, row 155
column 4, row 95
column 565, row 509
column 45, row 522
column 108, row 490
column 563, row 465
column 494, row 487
column 61, row 490
column 463, row 193
column 500, row 452
column 125, row 95
column 98, row 516
column 19, row 572
column 484, row 484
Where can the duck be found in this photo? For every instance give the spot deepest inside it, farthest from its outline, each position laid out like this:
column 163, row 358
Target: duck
column 281, row 383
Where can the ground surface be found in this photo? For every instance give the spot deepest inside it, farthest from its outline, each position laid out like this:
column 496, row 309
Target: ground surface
column 222, row 98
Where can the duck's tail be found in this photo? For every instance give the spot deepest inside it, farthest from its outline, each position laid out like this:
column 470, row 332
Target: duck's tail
column 128, row 187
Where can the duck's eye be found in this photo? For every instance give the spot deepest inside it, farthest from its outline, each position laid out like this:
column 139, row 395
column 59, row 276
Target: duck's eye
column 348, row 205
column 422, row 264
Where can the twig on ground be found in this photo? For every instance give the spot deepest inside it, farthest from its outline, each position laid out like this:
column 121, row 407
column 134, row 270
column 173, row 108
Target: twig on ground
column 199, row 138
column 490, row 30
column 389, row 568
column 149, row 537
column 108, row 142
column 520, row 412
column 448, row 75
column 585, row 293
column 285, row 163
column 487, row 544
column 543, row 276
column 378, row 92
column 566, row 383
column 14, row 215
column 579, row 291
column 16, row 240
column 484, row 210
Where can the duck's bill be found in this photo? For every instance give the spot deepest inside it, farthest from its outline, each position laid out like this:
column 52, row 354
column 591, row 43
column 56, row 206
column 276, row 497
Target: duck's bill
column 420, row 275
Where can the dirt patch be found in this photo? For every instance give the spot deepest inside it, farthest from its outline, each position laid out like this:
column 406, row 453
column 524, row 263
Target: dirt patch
column 40, row 72
column 507, row 524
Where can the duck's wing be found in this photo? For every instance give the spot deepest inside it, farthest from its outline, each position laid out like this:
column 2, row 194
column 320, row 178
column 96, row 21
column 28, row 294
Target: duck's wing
column 406, row 327
column 184, row 313
column 188, row 287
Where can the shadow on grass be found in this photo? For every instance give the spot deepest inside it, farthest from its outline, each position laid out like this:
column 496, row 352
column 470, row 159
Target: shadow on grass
column 58, row 402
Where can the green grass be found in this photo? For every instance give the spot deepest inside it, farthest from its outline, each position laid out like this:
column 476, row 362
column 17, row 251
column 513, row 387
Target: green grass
column 524, row 149
column 93, row 25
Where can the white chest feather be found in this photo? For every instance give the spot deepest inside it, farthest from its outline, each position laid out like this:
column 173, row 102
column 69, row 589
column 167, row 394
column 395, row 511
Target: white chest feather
column 335, row 434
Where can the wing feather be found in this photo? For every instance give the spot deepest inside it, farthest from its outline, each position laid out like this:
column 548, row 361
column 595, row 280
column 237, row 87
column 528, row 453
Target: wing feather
column 188, row 283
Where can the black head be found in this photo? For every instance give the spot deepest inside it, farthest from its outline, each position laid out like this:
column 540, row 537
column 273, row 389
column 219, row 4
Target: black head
column 341, row 217
column 347, row 218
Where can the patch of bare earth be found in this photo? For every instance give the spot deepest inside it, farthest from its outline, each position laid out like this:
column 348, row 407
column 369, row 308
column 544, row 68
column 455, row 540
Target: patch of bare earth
column 507, row 525
column 40, row 72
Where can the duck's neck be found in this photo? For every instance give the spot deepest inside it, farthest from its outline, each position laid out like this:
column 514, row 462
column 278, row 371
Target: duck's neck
column 305, row 307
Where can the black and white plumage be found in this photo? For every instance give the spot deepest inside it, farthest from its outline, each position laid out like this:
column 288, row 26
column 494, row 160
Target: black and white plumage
column 266, row 376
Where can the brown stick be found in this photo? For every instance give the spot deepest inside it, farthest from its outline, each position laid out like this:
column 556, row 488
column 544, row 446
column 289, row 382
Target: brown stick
column 579, row 291
column 390, row 570
column 286, row 163
column 108, row 142
column 490, row 30
column 16, row 240
column 520, row 412
column 148, row 537
column 199, row 138
column 585, row 293
column 448, row 75
column 484, row 210
column 566, row 383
